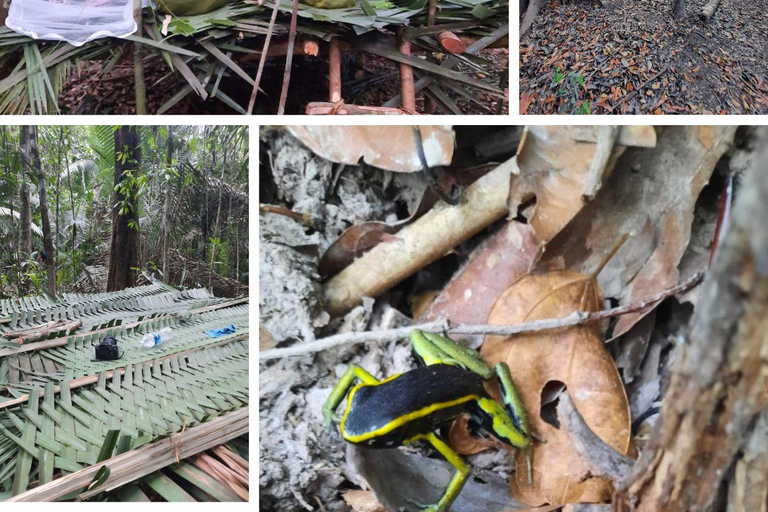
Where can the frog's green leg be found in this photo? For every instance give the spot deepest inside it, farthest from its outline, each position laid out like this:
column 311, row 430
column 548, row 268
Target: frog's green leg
column 459, row 478
column 340, row 390
column 436, row 349
column 511, row 397
column 516, row 410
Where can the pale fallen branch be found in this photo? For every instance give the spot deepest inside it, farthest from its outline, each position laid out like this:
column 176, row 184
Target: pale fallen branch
column 575, row 318
column 425, row 240
column 602, row 459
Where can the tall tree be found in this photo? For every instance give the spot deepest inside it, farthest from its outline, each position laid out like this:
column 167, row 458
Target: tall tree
column 124, row 249
column 167, row 211
column 30, row 159
column 679, row 8
column 25, row 220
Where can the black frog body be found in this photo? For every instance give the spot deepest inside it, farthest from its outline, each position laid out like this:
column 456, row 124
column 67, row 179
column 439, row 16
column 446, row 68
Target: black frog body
column 393, row 411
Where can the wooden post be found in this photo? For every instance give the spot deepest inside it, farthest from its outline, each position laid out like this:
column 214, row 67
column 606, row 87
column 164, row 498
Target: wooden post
column 334, row 71
column 406, row 74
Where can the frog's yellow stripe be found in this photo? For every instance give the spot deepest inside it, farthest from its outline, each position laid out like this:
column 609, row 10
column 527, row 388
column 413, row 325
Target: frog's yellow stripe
column 502, row 425
column 399, row 421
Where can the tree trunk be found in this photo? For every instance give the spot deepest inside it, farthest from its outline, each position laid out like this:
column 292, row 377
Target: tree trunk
column 15, row 237
column 218, row 211
column 709, row 10
column 25, row 220
column 58, row 188
column 680, row 9
column 167, row 220
column 710, row 438
column 530, row 15
column 31, row 164
column 124, row 249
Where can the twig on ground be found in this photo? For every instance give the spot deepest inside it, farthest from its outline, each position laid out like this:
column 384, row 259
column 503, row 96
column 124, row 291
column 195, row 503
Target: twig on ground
column 601, row 457
column 575, row 318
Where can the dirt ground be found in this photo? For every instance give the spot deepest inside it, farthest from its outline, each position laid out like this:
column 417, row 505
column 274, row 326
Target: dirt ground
column 680, row 66
column 366, row 80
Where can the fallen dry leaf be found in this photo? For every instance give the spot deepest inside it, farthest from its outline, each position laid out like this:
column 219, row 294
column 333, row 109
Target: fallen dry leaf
column 651, row 197
column 556, row 170
column 575, row 357
column 363, row 501
column 494, row 265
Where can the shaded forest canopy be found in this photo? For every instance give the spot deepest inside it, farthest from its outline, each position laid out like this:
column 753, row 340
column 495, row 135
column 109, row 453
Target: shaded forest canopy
column 101, row 208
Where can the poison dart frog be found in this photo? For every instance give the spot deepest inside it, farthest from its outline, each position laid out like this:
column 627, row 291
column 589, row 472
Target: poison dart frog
column 412, row 406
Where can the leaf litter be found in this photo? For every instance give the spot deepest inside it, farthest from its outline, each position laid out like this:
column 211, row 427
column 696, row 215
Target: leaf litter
column 653, row 204
column 634, row 57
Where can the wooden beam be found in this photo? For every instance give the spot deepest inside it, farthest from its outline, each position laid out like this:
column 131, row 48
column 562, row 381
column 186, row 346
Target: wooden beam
column 130, row 466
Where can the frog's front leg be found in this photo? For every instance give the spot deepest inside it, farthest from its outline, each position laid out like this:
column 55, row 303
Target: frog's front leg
column 435, row 349
column 342, row 387
column 457, row 481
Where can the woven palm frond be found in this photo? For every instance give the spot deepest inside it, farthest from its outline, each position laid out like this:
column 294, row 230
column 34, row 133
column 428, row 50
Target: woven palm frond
column 66, row 428
column 76, row 359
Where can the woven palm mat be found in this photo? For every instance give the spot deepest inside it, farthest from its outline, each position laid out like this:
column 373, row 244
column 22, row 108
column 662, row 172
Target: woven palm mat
column 65, row 430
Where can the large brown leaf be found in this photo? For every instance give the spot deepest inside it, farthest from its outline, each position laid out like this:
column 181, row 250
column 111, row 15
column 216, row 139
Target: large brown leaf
column 391, row 148
column 563, row 167
column 650, row 196
column 574, row 356
column 499, row 261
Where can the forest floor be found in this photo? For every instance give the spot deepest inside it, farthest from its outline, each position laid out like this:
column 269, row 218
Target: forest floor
column 370, row 81
column 583, row 58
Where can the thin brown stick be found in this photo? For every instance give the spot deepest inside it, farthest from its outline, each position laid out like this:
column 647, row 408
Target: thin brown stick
column 575, row 318
column 304, row 218
column 263, row 58
column 288, row 59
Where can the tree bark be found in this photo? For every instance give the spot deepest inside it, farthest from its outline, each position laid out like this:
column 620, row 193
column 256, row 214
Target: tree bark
column 530, row 15
column 25, row 220
column 680, row 9
column 712, row 409
column 4, row 130
column 124, row 249
column 167, row 212
column 709, row 10
column 32, row 166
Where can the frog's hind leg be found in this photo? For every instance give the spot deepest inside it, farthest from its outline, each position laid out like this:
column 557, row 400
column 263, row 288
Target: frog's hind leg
column 459, row 478
column 435, row 349
column 340, row 390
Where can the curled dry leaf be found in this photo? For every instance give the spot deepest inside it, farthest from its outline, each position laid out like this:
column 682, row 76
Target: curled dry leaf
column 650, row 196
column 574, row 356
column 391, row 148
column 563, row 166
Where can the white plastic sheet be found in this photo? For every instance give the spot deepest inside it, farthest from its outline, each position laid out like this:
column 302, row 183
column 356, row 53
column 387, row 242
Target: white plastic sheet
column 73, row 21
